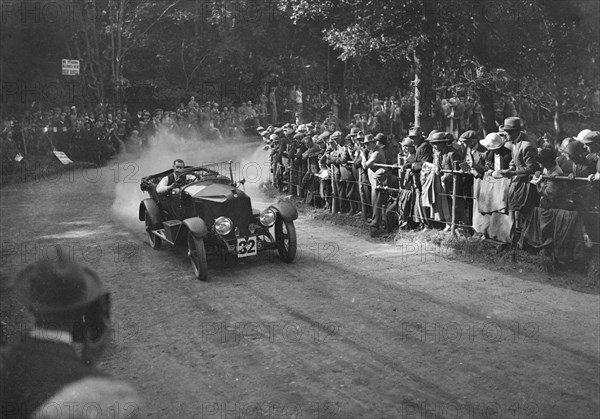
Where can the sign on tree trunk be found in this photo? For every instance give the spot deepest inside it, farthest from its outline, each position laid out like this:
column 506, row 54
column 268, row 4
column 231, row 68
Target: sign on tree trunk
column 70, row 67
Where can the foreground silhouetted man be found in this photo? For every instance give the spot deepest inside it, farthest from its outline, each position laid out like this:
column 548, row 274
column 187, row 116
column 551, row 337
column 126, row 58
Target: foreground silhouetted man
column 44, row 375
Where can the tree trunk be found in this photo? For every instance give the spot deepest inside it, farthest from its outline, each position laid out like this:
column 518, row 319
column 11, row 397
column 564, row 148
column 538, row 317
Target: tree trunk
column 95, row 55
column 423, row 66
column 488, row 114
column 558, row 116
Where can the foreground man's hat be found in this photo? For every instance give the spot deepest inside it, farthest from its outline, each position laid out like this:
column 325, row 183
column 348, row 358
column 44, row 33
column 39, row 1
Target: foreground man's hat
column 53, row 286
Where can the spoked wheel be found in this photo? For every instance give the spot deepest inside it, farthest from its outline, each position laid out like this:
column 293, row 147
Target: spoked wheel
column 197, row 255
column 155, row 241
column 285, row 236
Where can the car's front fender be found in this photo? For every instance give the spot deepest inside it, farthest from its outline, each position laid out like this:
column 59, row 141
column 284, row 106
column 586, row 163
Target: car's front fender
column 151, row 206
column 196, row 226
column 286, row 209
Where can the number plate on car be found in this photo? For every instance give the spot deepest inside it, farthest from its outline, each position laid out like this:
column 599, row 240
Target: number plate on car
column 247, row 247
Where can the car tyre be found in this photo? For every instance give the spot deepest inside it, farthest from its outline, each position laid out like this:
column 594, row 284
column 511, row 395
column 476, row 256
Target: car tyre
column 197, row 255
column 285, row 236
column 155, row 241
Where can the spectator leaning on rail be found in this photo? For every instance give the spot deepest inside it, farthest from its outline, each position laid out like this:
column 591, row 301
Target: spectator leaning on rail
column 376, row 175
column 497, row 157
column 43, row 372
column 521, row 196
column 591, row 142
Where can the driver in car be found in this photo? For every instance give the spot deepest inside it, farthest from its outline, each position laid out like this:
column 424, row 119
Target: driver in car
column 174, row 181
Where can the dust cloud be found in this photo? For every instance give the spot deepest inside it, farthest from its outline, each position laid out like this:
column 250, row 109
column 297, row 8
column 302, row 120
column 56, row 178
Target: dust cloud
column 250, row 162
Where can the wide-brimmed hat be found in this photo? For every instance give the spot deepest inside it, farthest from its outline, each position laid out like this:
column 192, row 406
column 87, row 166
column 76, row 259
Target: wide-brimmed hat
column 591, row 137
column 492, row 141
column 360, row 135
column 582, row 134
column 415, row 132
column 354, row 130
column 54, row 286
column 439, row 137
column 369, row 138
column 469, row 135
column 408, row 142
column 431, row 134
column 511, row 124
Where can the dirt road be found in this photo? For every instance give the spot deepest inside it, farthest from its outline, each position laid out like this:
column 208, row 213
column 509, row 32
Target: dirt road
column 352, row 329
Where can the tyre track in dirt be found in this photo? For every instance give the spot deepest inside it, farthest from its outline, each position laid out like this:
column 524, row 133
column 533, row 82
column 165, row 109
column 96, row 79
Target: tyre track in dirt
column 575, row 372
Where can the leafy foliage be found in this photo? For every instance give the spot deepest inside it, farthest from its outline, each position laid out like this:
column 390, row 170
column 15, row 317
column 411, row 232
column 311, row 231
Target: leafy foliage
column 543, row 51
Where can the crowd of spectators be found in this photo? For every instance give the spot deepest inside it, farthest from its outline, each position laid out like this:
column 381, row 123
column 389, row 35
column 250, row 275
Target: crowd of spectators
column 504, row 186
column 98, row 134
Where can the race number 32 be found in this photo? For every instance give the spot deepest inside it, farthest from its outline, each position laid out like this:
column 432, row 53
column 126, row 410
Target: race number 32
column 246, row 247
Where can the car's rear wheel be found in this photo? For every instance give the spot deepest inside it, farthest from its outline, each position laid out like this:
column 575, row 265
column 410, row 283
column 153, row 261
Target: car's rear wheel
column 155, row 241
column 197, row 255
column 285, row 236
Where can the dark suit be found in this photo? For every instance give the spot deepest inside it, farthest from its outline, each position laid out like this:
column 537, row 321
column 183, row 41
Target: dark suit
column 35, row 373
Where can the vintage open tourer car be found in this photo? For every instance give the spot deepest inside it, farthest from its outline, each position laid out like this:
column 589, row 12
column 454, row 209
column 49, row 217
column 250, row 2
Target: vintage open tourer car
column 212, row 215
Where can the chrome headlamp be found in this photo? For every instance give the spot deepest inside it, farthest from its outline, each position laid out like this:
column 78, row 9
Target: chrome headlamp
column 267, row 217
column 223, row 226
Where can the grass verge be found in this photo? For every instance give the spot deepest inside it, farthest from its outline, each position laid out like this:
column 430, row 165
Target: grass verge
column 531, row 266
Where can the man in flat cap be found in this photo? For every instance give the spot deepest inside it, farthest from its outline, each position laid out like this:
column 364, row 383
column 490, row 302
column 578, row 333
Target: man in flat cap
column 44, row 372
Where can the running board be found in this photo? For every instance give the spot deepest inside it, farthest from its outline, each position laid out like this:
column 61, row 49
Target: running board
column 161, row 233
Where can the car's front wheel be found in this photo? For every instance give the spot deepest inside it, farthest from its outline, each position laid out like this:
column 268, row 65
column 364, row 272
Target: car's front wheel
column 197, row 255
column 285, row 236
column 155, row 241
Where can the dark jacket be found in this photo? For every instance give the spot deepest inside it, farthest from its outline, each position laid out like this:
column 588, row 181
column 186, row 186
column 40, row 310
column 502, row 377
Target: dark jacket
column 34, row 371
column 505, row 158
column 424, row 154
